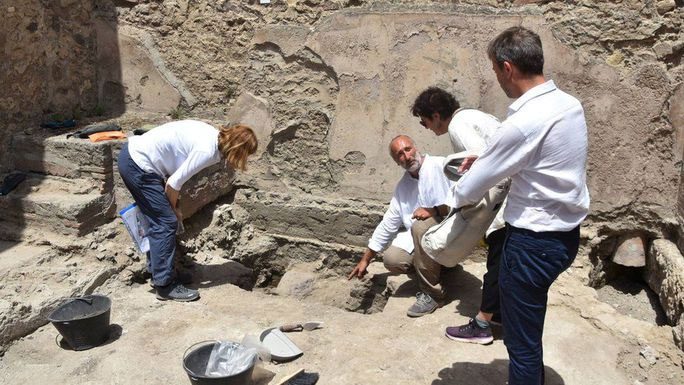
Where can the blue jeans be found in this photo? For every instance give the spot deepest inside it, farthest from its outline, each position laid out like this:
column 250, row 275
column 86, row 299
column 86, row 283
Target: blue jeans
column 148, row 192
column 531, row 261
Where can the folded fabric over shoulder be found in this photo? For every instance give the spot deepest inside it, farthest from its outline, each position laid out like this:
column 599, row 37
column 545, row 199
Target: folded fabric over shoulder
column 454, row 239
column 453, row 162
column 107, row 135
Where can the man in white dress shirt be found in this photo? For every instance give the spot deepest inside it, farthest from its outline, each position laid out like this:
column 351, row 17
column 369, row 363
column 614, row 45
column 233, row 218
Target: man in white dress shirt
column 542, row 147
column 422, row 188
column 469, row 130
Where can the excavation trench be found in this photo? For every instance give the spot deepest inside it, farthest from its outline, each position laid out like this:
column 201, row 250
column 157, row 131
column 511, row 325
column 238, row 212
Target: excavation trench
column 287, row 245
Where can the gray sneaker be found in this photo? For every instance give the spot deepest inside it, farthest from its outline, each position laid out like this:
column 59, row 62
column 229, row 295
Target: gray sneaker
column 176, row 292
column 424, row 305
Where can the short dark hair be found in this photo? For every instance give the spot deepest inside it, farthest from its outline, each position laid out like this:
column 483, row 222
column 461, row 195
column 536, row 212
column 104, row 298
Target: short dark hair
column 435, row 99
column 520, row 47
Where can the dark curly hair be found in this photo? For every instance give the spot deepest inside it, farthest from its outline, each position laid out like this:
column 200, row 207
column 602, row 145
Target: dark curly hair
column 435, row 99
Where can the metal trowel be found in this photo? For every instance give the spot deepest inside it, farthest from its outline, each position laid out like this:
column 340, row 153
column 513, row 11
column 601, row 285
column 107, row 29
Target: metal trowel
column 308, row 326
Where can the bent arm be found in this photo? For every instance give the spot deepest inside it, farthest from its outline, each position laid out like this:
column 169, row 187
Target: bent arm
column 504, row 157
column 195, row 162
column 172, row 195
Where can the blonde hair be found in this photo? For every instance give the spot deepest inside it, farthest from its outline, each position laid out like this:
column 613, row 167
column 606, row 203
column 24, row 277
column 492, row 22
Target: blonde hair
column 236, row 143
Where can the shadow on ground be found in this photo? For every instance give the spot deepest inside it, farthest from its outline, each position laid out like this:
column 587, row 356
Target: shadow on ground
column 493, row 373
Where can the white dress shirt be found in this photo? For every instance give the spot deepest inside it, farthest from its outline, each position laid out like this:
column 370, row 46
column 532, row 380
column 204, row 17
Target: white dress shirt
column 176, row 150
column 471, row 130
column 542, row 146
column 429, row 190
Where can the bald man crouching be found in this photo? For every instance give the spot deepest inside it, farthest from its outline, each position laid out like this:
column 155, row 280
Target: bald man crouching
column 412, row 211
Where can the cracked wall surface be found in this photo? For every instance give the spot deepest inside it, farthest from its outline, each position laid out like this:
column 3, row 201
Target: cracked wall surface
column 328, row 83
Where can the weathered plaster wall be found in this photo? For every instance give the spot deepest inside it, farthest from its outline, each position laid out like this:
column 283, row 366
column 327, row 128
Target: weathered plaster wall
column 335, row 80
column 47, row 66
column 328, row 83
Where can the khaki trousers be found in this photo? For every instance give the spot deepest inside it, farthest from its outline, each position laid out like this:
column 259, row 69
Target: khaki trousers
column 398, row 261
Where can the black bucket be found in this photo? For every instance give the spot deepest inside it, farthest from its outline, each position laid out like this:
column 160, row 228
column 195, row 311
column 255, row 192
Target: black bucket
column 195, row 362
column 83, row 321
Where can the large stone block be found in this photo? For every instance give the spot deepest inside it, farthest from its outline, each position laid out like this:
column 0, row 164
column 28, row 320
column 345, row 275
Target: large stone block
column 55, row 205
column 69, row 158
column 205, row 187
column 324, row 219
column 665, row 276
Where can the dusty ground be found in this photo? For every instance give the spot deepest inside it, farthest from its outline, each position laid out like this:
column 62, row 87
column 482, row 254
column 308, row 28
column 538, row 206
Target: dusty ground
column 586, row 340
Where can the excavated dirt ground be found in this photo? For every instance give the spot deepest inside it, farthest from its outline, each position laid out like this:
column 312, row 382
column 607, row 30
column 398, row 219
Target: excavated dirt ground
column 587, row 341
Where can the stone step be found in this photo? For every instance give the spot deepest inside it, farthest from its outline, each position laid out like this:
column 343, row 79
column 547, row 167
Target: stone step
column 321, row 218
column 80, row 187
column 69, row 158
column 56, row 205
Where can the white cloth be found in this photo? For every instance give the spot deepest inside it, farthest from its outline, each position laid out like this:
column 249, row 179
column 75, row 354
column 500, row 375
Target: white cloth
column 471, row 130
column 542, row 146
column 429, row 190
column 176, row 150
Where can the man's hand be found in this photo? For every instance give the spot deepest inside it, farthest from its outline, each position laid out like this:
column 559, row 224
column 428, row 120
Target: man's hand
column 423, row 213
column 467, row 162
column 360, row 269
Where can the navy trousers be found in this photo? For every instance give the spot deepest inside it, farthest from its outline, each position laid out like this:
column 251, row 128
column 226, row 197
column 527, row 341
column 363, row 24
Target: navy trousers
column 147, row 190
column 490, row 281
column 531, row 261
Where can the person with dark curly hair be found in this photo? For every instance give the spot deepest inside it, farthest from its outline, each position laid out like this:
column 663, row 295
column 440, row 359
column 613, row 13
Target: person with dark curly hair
column 469, row 130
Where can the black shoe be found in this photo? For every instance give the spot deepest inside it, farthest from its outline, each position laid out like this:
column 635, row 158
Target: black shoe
column 176, row 292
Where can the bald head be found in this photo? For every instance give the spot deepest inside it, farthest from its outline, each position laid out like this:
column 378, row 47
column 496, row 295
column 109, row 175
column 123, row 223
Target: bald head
column 398, row 142
column 404, row 151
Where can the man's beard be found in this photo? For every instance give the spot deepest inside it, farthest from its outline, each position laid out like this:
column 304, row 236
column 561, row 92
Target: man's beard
column 415, row 165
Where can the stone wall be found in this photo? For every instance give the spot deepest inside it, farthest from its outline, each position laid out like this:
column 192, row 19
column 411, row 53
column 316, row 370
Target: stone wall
column 328, row 83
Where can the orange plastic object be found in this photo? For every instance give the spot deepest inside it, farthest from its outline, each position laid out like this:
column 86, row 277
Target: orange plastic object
column 106, row 135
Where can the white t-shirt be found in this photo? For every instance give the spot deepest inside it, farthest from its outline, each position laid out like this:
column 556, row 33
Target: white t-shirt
column 176, row 150
column 472, row 130
column 429, row 190
column 542, row 146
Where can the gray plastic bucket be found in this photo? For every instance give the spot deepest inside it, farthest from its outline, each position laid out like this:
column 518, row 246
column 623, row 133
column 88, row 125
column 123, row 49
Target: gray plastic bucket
column 195, row 362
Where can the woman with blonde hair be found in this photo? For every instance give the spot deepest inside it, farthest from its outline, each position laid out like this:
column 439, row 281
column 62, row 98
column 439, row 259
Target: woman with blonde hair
column 155, row 166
